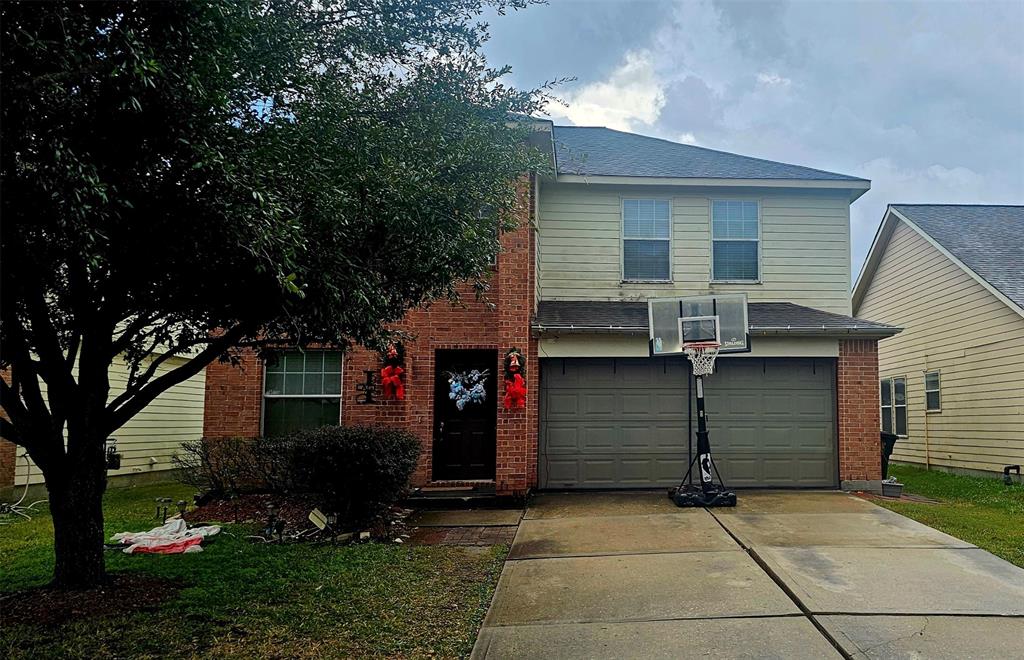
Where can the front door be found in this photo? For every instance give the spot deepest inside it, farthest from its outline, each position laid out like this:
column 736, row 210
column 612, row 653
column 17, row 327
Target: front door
column 465, row 440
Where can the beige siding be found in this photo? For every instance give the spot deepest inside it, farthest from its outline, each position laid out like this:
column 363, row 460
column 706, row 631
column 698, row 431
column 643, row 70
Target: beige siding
column 954, row 325
column 157, row 432
column 805, row 246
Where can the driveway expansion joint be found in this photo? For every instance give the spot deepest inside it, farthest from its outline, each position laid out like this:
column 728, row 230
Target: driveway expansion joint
column 786, row 589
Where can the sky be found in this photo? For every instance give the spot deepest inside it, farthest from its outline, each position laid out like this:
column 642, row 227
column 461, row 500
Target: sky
column 925, row 99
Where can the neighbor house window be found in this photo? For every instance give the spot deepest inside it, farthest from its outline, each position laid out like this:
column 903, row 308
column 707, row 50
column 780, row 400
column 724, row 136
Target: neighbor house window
column 646, row 240
column 301, row 390
column 893, row 397
column 932, row 386
column 735, row 241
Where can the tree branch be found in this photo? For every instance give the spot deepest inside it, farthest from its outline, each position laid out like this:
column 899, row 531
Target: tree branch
column 151, row 370
column 142, row 397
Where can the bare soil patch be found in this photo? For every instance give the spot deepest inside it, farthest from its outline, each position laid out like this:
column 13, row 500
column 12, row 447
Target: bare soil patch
column 123, row 594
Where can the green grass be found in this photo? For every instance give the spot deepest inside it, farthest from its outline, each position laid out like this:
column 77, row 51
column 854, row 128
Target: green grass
column 247, row 600
column 981, row 511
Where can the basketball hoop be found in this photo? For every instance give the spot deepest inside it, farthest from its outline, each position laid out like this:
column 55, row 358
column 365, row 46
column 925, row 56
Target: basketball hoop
column 702, row 356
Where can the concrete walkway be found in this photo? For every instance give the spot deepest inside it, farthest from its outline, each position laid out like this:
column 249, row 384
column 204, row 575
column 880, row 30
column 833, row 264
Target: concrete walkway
column 783, row 575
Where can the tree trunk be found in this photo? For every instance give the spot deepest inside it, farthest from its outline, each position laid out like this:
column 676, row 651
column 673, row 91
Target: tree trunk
column 76, row 503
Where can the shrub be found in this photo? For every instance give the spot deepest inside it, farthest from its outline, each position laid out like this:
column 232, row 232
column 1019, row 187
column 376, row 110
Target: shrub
column 234, row 466
column 358, row 471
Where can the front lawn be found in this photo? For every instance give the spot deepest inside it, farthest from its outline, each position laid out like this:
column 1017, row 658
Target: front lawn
column 981, row 511
column 238, row 599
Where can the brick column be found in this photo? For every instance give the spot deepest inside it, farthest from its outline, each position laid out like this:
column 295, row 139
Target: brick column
column 517, row 429
column 860, row 463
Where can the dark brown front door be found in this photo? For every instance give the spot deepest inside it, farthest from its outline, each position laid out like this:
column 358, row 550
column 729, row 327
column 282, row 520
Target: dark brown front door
column 465, row 440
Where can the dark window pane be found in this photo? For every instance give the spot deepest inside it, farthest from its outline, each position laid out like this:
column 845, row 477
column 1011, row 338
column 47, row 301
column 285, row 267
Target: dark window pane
column 314, row 383
column 931, row 380
column 283, row 416
column 274, row 383
column 293, row 362
column 332, row 383
column 933, row 400
column 735, row 260
column 293, row 383
column 645, row 260
column 332, row 361
column 899, row 389
column 887, row 419
column 901, row 420
column 885, row 388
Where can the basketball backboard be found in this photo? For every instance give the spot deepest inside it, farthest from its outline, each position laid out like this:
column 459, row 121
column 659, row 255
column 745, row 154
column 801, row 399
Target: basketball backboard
column 716, row 318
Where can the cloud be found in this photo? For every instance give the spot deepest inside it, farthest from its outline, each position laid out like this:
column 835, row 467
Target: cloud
column 772, row 79
column 924, row 99
column 687, row 138
column 631, row 95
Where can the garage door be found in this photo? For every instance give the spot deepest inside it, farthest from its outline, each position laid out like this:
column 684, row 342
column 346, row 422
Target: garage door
column 622, row 423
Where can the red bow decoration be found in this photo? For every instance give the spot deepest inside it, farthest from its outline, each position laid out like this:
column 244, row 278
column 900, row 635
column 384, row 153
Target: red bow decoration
column 515, row 393
column 391, row 383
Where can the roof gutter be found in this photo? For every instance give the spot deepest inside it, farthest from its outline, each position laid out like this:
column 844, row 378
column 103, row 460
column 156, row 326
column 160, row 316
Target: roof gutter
column 761, row 331
column 856, row 187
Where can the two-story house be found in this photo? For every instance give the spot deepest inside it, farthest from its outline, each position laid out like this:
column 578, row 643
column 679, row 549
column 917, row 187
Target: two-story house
column 624, row 218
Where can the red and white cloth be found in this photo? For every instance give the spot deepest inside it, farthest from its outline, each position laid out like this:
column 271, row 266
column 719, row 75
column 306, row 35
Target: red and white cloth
column 171, row 538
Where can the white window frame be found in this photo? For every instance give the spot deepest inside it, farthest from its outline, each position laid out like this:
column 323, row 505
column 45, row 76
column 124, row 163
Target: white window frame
column 893, row 405
column 937, row 390
column 264, row 396
column 623, row 238
column 711, row 234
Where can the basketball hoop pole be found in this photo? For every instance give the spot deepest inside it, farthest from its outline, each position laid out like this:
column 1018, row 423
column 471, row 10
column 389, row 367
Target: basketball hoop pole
column 712, row 491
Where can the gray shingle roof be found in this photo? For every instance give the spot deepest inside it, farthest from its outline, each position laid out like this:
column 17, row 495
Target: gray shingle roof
column 765, row 318
column 987, row 239
column 598, row 151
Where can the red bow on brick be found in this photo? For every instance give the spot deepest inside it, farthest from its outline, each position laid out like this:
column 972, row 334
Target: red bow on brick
column 515, row 393
column 391, row 383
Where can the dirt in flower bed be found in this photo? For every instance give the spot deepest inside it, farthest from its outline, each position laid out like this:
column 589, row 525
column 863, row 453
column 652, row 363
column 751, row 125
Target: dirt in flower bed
column 124, row 593
column 292, row 509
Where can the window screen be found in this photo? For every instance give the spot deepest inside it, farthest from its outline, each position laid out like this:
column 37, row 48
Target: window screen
column 302, row 389
column 646, row 239
column 932, row 388
column 735, row 241
column 893, row 400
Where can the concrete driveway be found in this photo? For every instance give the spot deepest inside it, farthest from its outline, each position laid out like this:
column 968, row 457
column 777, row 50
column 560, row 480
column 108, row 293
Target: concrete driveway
column 783, row 575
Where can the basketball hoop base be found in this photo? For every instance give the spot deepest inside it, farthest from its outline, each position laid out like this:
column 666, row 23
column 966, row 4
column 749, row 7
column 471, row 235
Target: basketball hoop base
column 695, row 496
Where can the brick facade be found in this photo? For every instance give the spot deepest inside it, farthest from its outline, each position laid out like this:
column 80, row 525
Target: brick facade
column 860, row 464
column 234, row 394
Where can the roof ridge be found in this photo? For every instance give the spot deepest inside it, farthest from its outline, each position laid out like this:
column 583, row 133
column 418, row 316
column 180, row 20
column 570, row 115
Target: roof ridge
column 716, row 151
column 985, row 206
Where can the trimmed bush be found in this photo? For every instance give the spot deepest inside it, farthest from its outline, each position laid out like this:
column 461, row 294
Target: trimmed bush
column 358, row 471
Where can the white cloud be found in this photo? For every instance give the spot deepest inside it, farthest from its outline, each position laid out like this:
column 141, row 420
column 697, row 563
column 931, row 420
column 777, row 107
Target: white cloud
column 633, row 94
column 687, row 138
column 772, row 79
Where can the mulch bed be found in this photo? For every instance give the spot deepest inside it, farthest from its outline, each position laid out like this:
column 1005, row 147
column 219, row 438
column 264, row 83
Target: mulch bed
column 292, row 509
column 123, row 594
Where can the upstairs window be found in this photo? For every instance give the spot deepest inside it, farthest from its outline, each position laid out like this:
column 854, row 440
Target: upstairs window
column 646, row 240
column 893, row 399
column 735, row 241
column 301, row 390
column 932, row 389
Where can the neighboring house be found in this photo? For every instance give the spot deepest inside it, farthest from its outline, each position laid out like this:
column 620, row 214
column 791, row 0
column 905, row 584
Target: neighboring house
column 147, row 443
column 952, row 383
column 624, row 218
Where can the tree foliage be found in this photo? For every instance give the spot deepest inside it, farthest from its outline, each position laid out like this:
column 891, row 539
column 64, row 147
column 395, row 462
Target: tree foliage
column 180, row 178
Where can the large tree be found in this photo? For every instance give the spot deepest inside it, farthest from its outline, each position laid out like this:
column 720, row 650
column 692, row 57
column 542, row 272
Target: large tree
column 181, row 178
